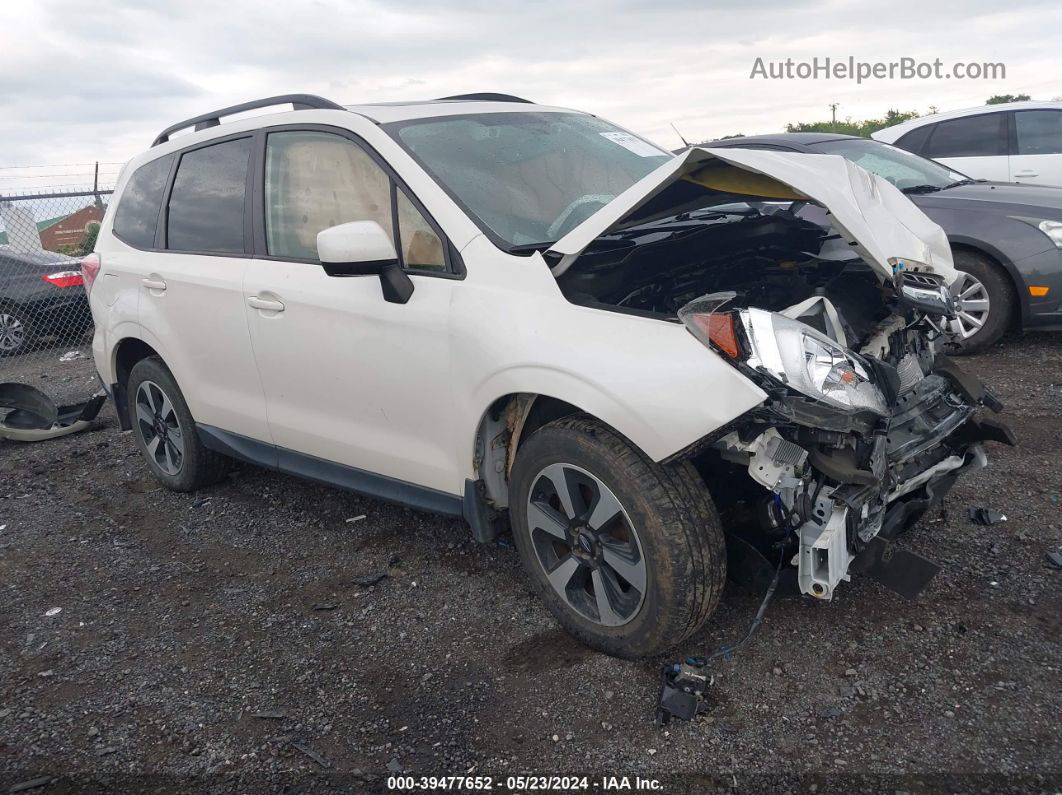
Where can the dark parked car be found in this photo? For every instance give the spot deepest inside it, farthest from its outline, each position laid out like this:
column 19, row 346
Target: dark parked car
column 41, row 293
column 1006, row 238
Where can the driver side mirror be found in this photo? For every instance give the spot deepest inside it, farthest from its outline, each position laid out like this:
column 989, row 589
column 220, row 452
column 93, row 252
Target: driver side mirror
column 363, row 248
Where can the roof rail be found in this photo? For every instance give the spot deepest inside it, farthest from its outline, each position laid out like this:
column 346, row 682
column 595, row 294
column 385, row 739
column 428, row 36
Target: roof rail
column 486, row 96
column 213, row 119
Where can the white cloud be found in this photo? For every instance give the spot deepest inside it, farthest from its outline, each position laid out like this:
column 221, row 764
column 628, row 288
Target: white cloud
column 83, row 80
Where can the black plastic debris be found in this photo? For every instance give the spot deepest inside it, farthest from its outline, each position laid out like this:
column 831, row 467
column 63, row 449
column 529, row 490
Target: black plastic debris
column 986, row 516
column 369, row 580
column 33, row 416
column 325, row 606
column 682, row 688
column 298, row 745
column 33, row 783
column 269, row 715
column 1055, row 556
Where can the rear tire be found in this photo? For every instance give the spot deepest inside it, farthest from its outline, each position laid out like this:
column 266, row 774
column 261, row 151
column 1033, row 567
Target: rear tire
column 981, row 280
column 165, row 431
column 664, row 536
column 16, row 330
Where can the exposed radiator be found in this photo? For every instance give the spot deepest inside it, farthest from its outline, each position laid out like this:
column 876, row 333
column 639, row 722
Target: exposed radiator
column 910, row 372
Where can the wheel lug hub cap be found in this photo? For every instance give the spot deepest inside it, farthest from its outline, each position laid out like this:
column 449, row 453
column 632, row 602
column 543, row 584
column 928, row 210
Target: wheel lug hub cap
column 586, row 544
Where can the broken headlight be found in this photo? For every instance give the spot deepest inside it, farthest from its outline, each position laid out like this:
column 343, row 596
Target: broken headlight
column 809, row 362
column 790, row 352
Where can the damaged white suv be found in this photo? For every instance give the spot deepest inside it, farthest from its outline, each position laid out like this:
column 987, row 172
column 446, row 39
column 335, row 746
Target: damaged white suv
column 528, row 316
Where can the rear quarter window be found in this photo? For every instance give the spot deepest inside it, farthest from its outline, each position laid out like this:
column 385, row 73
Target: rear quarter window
column 137, row 214
column 206, row 209
column 915, row 140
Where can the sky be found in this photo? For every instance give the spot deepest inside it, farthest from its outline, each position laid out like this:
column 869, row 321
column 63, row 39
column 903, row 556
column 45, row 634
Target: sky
column 85, row 81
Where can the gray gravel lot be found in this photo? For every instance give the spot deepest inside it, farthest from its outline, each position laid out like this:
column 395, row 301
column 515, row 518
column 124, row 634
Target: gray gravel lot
column 225, row 641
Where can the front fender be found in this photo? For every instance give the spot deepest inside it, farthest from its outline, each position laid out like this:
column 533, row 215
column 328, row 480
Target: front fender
column 650, row 380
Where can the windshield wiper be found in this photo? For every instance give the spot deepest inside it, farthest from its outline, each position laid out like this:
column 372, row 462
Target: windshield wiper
column 922, row 189
column 966, row 181
column 529, row 248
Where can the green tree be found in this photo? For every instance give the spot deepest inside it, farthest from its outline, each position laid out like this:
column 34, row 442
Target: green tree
column 1003, row 99
column 849, row 127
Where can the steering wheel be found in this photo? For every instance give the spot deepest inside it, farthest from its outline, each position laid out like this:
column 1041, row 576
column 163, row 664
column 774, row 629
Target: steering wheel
column 553, row 233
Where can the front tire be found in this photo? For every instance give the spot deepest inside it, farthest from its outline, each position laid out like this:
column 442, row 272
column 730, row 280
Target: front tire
column 985, row 303
column 626, row 553
column 165, row 431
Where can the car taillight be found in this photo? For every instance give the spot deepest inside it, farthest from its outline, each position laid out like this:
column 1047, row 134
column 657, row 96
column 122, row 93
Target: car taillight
column 90, row 268
column 65, row 278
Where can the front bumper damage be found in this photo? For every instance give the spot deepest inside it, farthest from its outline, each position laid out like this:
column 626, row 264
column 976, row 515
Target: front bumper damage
column 842, row 487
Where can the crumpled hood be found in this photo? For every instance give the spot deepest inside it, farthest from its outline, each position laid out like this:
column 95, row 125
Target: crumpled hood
column 867, row 211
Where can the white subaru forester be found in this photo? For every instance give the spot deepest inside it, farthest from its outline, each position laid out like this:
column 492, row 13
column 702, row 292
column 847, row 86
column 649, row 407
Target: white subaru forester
column 529, row 317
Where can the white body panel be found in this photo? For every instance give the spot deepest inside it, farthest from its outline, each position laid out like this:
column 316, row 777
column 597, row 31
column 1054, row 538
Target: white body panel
column 1036, row 169
column 353, row 379
column 195, row 323
column 400, row 389
column 995, row 168
column 1033, row 169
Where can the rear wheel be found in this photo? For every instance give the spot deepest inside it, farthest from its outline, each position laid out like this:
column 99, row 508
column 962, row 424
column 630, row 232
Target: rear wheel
column 626, row 553
column 984, row 303
column 16, row 330
column 165, row 431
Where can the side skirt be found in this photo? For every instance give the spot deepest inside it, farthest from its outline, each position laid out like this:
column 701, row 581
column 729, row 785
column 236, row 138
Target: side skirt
column 290, row 462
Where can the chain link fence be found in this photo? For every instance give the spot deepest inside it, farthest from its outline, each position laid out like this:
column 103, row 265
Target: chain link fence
column 45, row 323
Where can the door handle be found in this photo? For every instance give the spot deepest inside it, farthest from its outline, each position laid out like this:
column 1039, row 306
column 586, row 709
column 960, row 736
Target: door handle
column 266, row 304
column 153, row 284
column 1026, row 174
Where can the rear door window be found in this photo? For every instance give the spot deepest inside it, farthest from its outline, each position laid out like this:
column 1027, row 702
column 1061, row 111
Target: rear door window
column 137, row 215
column 206, row 208
column 969, row 136
column 1039, row 132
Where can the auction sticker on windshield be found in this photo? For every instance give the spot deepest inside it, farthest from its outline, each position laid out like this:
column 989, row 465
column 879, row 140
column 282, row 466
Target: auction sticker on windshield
column 632, row 143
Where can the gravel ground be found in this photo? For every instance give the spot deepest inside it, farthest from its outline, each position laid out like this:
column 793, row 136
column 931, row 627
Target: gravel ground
column 227, row 641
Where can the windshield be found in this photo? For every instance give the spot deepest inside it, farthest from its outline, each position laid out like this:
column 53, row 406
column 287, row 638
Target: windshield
column 528, row 178
column 901, row 168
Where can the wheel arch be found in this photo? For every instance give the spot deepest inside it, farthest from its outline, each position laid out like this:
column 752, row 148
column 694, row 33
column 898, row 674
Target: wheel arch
column 506, row 424
column 997, row 258
column 127, row 353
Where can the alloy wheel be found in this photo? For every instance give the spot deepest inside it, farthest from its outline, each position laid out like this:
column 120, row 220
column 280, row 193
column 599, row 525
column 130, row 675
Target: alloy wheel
column 160, row 428
column 12, row 333
column 971, row 306
column 586, row 544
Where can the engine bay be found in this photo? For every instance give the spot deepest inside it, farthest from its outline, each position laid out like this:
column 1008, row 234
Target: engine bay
column 770, row 255
column 866, row 425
